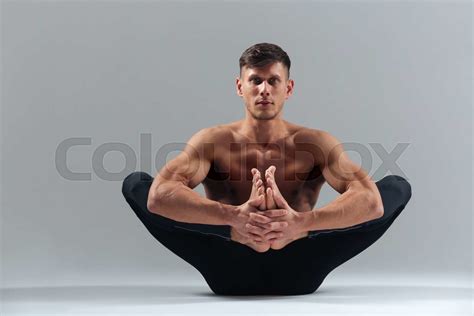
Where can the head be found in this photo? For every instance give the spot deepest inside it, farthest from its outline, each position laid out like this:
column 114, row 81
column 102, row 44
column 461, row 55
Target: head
column 264, row 77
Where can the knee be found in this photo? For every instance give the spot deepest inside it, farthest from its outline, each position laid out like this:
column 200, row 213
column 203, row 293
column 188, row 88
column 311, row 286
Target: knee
column 397, row 185
column 132, row 180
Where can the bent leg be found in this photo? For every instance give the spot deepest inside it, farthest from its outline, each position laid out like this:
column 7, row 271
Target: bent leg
column 395, row 192
column 182, row 243
column 229, row 268
column 136, row 186
column 305, row 263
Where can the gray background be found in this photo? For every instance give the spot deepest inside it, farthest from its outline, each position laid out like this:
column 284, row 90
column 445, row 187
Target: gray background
column 387, row 73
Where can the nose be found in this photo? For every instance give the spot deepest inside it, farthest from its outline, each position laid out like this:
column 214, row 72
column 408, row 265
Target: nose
column 264, row 89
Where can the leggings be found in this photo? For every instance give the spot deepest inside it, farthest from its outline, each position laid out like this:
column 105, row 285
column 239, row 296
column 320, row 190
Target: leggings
column 231, row 268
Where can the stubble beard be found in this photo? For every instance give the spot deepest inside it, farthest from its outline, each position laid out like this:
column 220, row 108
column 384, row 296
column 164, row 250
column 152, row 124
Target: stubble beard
column 263, row 115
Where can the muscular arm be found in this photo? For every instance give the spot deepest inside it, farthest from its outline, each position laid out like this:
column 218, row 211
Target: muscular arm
column 171, row 194
column 360, row 200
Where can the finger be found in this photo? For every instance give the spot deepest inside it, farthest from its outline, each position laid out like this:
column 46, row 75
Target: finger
column 269, row 199
column 256, row 238
column 259, row 218
column 273, row 235
column 275, row 213
column 276, row 225
column 262, row 226
column 254, row 229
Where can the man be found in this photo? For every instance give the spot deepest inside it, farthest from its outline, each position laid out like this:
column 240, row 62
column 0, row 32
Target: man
column 257, row 231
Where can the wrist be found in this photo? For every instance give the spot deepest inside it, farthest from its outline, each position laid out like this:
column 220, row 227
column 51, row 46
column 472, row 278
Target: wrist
column 308, row 220
column 229, row 214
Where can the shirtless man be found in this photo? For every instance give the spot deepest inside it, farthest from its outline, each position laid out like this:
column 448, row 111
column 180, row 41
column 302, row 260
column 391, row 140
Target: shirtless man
column 257, row 231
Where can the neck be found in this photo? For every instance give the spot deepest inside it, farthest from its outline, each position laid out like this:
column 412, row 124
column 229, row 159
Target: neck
column 264, row 131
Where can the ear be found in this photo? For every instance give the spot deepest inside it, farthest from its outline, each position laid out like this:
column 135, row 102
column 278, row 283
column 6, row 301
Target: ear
column 238, row 86
column 289, row 88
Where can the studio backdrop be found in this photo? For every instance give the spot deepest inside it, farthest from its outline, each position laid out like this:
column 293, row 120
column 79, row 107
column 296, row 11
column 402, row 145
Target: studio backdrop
column 92, row 91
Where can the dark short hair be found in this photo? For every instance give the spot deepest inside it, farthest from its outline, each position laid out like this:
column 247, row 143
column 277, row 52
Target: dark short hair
column 263, row 54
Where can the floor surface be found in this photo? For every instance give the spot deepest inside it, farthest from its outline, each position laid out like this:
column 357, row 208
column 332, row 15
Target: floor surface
column 337, row 296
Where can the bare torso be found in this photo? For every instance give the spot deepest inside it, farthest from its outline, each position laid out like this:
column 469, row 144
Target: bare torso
column 297, row 173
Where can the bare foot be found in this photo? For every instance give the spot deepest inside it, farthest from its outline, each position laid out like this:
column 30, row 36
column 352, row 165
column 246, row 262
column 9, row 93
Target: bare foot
column 261, row 245
column 270, row 192
column 257, row 186
column 279, row 244
column 257, row 246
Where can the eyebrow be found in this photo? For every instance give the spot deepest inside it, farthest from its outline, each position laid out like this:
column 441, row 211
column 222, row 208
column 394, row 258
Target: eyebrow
column 256, row 76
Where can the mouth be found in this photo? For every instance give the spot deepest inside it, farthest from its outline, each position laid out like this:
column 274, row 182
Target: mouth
column 264, row 103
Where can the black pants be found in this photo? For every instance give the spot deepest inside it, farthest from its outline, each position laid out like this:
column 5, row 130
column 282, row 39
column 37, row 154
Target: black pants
column 231, row 268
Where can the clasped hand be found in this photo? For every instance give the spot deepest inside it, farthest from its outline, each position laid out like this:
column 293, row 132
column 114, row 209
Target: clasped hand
column 266, row 220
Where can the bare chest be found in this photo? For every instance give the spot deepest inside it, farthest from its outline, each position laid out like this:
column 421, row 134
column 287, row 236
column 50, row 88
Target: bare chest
column 230, row 179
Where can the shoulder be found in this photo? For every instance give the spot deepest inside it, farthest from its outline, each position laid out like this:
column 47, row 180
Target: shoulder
column 314, row 136
column 319, row 142
column 213, row 134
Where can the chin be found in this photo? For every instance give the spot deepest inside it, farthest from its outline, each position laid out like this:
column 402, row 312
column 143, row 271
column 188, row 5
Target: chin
column 264, row 116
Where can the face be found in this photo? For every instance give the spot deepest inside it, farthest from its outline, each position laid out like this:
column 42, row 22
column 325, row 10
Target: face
column 264, row 90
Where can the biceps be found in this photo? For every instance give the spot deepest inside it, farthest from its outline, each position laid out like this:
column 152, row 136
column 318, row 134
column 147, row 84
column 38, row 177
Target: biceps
column 188, row 168
column 340, row 171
